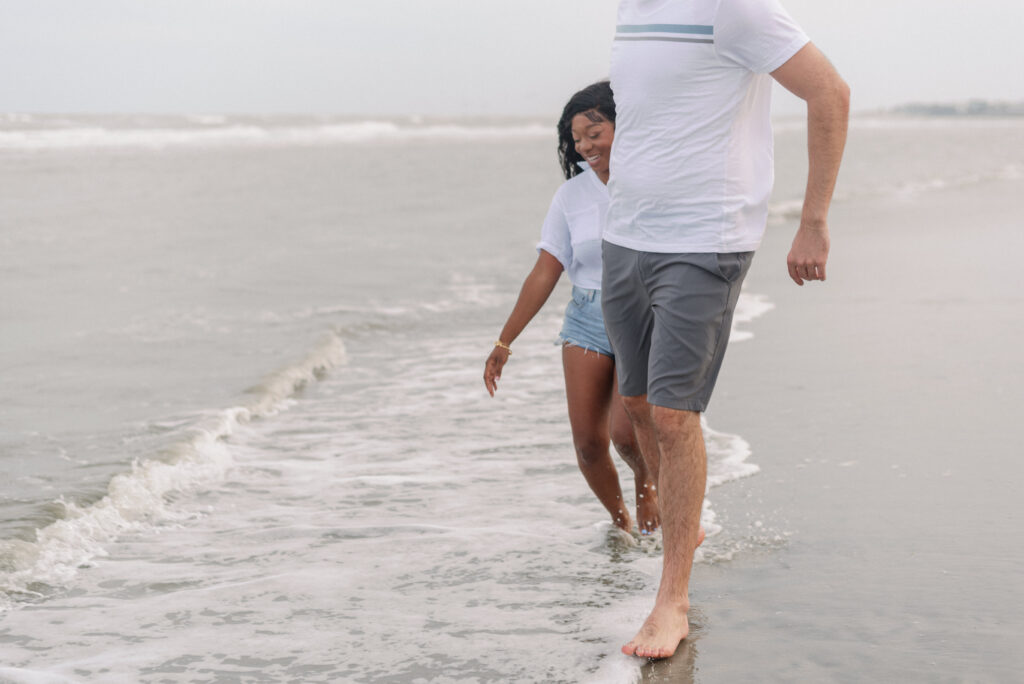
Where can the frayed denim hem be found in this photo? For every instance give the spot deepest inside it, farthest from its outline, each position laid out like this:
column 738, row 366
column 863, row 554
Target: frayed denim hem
column 569, row 342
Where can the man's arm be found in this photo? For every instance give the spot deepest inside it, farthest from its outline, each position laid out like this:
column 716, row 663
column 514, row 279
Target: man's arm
column 811, row 77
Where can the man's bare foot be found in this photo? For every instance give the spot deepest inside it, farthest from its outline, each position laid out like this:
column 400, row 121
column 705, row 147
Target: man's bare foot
column 648, row 517
column 664, row 628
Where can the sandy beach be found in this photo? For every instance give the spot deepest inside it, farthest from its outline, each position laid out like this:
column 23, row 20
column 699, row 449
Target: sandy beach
column 881, row 408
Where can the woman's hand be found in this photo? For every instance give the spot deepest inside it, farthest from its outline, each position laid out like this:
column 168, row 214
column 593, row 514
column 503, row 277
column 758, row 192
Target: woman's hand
column 492, row 368
column 535, row 291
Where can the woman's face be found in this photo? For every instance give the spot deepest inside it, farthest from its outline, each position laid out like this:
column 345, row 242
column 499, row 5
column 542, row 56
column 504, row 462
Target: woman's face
column 593, row 141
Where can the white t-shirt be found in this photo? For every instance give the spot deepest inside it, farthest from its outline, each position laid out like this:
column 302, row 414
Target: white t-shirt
column 573, row 227
column 691, row 165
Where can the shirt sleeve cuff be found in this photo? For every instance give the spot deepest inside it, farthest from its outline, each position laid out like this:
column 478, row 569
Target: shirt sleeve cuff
column 550, row 249
column 784, row 55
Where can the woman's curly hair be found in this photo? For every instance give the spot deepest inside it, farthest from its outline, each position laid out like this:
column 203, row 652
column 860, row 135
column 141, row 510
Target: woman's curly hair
column 597, row 104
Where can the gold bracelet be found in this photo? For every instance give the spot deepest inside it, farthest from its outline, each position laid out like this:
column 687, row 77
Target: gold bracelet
column 504, row 346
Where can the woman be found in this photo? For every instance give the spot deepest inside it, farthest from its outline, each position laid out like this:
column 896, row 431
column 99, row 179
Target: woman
column 571, row 241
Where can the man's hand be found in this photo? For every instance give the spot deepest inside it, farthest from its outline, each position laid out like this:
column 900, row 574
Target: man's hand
column 807, row 257
column 811, row 77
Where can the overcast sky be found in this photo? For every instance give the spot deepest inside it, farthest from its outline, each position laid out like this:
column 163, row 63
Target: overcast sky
column 446, row 56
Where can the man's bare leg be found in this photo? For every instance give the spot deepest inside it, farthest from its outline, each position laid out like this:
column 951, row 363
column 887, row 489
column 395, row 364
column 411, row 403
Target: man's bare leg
column 682, row 479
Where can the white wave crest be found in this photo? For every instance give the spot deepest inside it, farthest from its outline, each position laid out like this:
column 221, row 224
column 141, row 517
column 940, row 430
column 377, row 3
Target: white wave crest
column 787, row 211
column 727, row 461
column 903, row 122
column 208, row 134
column 139, row 499
column 748, row 307
column 17, row 675
column 271, row 394
column 727, row 457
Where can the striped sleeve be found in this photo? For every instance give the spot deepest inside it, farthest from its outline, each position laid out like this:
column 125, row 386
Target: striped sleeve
column 757, row 34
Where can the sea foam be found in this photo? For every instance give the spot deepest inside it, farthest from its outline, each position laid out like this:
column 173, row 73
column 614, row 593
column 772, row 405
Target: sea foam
column 748, row 307
column 140, row 499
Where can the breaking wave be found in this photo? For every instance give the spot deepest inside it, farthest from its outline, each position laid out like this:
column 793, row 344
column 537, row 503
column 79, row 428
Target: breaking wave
column 142, row 498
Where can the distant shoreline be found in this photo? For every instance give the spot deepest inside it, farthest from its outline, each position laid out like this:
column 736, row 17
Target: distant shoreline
column 214, row 120
column 970, row 108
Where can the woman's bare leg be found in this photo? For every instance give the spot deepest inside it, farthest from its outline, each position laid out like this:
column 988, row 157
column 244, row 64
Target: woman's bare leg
column 648, row 518
column 589, row 378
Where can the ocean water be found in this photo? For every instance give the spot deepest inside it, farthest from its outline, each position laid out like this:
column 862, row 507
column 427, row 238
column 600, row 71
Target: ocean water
column 243, row 431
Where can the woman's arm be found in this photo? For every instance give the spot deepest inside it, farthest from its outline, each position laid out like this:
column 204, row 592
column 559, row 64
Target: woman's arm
column 535, row 291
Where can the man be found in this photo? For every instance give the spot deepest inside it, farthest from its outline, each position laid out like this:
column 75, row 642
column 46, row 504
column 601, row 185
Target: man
column 691, row 173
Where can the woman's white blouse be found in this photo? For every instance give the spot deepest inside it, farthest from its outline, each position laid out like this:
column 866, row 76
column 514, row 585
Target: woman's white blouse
column 573, row 228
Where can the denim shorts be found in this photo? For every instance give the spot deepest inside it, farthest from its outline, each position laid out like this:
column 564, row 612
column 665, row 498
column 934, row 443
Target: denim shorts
column 584, row 325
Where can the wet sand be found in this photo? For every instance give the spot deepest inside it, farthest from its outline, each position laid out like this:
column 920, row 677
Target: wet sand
column 883, row 409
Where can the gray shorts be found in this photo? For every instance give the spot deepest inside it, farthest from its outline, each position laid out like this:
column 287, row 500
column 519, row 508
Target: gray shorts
column 668, row 318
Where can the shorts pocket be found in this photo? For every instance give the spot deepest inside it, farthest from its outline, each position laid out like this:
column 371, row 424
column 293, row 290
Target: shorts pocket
column 732, row 265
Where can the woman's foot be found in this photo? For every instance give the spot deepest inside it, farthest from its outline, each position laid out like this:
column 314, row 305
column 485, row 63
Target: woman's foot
column 621, row 519
column 648, row 517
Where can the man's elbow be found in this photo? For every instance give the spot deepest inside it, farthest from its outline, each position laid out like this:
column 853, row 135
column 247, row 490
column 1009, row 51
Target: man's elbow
column 837, row 92
column 832, row 94
column 841, row 94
